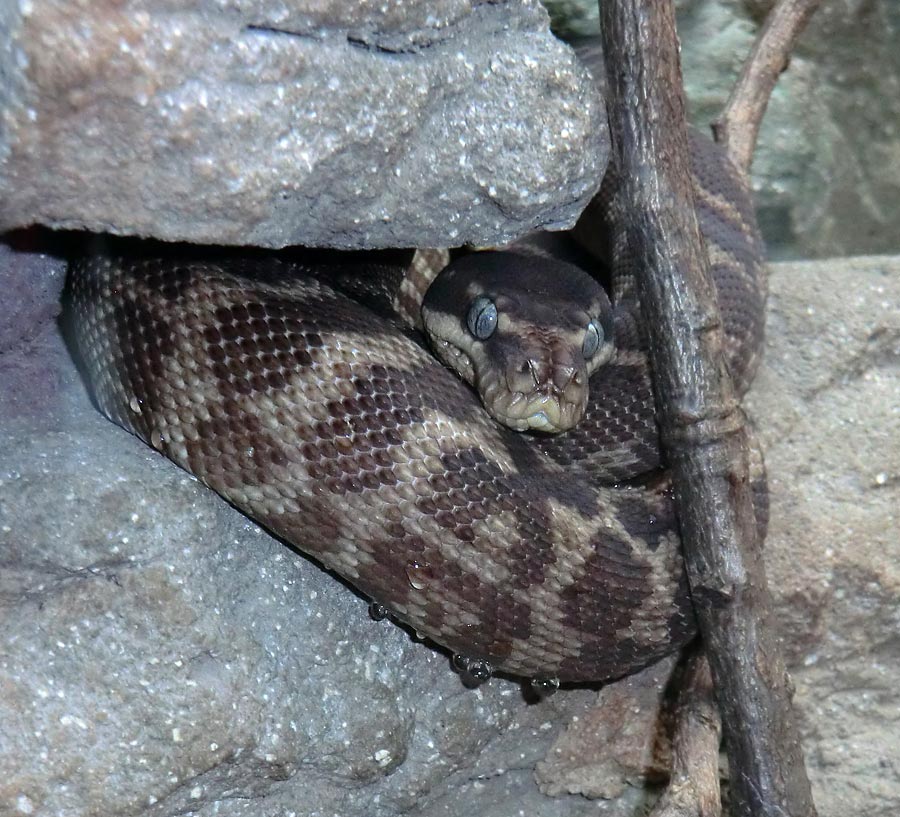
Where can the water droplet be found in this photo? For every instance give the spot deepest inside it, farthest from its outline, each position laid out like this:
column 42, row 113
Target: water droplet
column 473, row 671
column 378, row 612
column 480, row 672
column 419, row 574
column 544, row 687
column 135, row 405
column 157, row 440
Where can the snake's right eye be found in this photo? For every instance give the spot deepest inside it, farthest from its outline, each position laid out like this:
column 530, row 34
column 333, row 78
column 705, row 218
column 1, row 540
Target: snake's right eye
column 482, row 317
column 592, row 338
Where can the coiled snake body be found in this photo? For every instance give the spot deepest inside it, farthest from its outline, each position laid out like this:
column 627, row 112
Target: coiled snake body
column 341, row 433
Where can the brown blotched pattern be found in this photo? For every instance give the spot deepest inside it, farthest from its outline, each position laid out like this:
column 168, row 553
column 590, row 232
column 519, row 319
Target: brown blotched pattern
column 341, row 434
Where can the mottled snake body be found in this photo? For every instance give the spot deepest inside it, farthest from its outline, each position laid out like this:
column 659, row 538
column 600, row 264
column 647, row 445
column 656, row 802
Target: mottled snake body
column 341, row 433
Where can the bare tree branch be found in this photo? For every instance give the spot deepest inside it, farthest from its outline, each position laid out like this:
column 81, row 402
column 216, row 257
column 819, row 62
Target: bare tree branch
column 737, row 127
column 701, row 423
column 693, row 789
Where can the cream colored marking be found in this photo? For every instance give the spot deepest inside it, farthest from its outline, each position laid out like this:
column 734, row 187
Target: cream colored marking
column 724, row 207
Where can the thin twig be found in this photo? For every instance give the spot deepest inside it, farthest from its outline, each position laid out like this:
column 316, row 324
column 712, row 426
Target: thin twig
column 693, row 789
column 701, row 424
column 737, row 127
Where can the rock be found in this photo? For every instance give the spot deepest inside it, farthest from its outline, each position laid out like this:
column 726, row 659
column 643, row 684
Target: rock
column 826, row 171
column 403, row 124
column 35, row 371
column 622, row 741
column 31, row 289
column 161, row 655
column 826, row 404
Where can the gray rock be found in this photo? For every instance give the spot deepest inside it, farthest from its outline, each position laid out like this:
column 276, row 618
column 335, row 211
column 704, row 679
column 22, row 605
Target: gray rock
column 161, row 655
column 827, row 403
column 401, row 124
column 36, row 372
column 826, row 171
column 31, row 289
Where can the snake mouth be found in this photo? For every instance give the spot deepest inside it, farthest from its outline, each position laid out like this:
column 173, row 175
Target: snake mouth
column 549, row 413
column 547, row 410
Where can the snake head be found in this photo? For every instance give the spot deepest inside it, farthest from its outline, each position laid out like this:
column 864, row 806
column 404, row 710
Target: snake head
column 526, row 331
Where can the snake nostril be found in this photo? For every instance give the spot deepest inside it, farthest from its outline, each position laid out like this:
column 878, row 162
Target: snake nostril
column 565, row 376
column 531, row 369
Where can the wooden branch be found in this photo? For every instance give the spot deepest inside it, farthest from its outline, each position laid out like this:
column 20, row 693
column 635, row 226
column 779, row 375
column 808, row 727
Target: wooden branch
column 693, row 789
column 701, row 423
column 737, row 127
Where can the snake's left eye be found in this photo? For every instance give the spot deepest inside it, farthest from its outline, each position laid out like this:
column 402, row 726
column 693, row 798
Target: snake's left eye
column 482, row 317
column 593, row 336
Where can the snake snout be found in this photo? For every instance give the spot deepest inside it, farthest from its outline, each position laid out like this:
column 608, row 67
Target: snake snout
column 543, row 376
column 542, row 392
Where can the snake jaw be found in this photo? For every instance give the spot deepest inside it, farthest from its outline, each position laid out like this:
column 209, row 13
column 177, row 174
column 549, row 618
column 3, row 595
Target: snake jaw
column 538, row 410
column 455, row 358
column 545, row 407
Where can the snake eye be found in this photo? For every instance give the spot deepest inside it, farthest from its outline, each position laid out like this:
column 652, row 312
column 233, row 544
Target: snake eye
column 482, row 317
column 592, row 338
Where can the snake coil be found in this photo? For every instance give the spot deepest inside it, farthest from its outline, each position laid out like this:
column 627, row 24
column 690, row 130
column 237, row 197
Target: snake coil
column 342, row 434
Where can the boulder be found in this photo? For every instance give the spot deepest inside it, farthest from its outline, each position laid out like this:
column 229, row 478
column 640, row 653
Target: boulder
column 349, row 125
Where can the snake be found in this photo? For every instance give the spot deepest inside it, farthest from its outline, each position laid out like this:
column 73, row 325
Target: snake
column 487, row 470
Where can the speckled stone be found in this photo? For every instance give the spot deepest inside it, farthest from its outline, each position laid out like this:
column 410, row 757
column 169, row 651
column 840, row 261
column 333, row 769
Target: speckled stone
column 35, row 372
column 406, row 123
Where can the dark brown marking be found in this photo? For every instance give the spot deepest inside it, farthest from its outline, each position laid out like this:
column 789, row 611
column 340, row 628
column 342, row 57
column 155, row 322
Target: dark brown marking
column 613, row 584
column 646, row 516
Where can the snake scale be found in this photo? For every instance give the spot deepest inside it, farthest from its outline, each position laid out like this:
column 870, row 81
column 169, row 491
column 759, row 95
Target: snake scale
column 339, row 431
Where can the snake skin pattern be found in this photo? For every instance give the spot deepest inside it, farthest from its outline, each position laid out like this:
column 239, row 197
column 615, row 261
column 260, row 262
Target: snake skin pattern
column 338, row 431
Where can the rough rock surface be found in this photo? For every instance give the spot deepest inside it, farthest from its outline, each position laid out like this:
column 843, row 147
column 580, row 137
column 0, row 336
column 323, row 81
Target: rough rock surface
column 160, row 655
column 623, row 741
column 827, row 168
column 828, row 407
column 398, row 124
